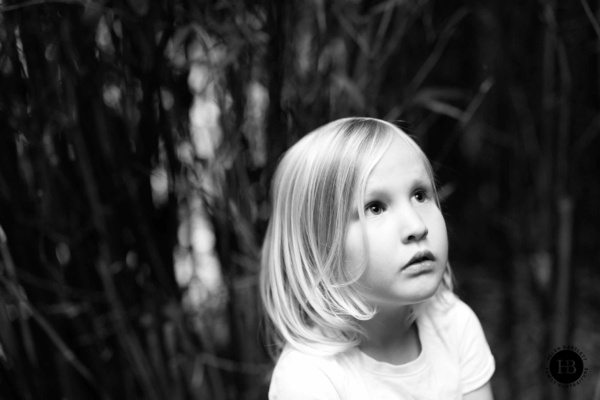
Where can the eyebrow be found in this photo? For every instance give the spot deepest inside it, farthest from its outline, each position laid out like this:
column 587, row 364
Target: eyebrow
column 376, row 192
column 379, row 190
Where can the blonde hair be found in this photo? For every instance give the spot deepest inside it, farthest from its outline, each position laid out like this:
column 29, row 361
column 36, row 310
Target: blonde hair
column 307, row 293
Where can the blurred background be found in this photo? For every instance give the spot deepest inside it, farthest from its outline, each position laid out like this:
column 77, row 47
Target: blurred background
column 137, row 143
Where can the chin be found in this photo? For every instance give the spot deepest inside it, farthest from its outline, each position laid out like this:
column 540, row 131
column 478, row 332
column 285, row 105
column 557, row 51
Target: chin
column 404, row 300
column 423, row 294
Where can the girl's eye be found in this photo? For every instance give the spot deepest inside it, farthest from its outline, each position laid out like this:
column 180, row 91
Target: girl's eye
column 374, row 208
column 421, row 195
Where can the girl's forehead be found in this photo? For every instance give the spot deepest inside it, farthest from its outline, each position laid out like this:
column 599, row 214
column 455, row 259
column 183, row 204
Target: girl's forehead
column 400, row 168
column 401, row 158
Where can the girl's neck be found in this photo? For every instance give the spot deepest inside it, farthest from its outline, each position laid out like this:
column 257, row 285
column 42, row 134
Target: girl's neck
column 390, row 337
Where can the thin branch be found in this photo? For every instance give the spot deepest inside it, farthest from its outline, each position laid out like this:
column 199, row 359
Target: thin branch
column 473, row 106
column 429, row 63
column 4, row 252
column 42, row 2
column 354, row 34
column 234, row 366
column 437, row 50
column 586, row 138
column 11, row 273
column 383, row 27
column 591, row 17
column 54, row 337
column 58, row 288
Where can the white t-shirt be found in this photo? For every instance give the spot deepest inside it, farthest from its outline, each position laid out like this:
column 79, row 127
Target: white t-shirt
column 455, row 359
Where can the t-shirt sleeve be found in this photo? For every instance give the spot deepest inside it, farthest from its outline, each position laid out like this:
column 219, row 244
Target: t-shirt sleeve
column 297, row 377
column 477, row 364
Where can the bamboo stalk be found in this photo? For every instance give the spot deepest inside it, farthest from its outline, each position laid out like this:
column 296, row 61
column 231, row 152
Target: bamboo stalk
column 561, row 324
column 129, row 343
column 54, row 337
column 565, row 205
column 11, row 273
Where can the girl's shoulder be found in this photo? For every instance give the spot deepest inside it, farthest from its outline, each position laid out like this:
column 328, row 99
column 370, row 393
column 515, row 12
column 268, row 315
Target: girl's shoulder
column 450, row 325
column 301, row 375
column 291, row 356
column 295, row 361
column 448, row 311
column 450, row 321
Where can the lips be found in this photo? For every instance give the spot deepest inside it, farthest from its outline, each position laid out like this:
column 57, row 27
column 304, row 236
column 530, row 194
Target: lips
column 420, row 257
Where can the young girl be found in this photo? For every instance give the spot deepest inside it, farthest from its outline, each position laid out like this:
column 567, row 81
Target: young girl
column 355, row 276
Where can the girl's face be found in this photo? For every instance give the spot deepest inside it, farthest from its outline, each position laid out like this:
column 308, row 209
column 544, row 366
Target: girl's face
column 405, row 231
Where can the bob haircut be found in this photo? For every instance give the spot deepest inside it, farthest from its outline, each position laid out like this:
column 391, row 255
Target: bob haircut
column 306, row 291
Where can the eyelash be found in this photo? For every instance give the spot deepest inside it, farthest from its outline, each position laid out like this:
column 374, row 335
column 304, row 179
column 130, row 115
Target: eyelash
column 374, row 204
column 419, row 192
column 423, row 193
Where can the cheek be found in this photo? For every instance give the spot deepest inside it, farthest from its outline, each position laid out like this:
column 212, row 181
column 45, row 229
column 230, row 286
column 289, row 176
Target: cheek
column 437, row 230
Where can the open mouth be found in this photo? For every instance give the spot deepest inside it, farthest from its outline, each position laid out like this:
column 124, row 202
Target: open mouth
column 420, row 257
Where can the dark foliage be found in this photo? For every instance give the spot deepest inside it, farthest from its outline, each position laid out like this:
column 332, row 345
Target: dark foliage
column 137, row 142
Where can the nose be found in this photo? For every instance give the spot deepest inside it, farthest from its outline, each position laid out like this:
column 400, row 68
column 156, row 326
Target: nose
column 414, row 227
